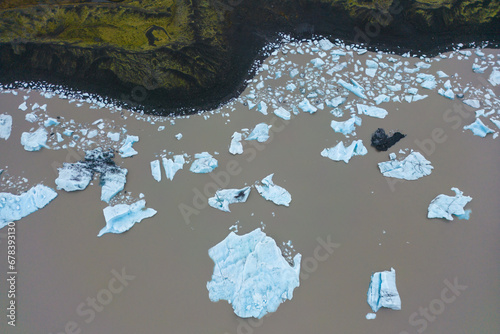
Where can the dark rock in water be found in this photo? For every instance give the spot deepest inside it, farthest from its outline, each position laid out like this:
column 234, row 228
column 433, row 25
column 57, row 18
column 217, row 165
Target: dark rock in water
column 382, row 142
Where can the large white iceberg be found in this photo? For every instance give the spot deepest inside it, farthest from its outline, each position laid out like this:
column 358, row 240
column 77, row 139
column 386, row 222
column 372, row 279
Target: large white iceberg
column 224, row 197
column 34, row 141
column 204, row 163
column 122, row 217
column 342, row 153
column 371, row 111
column 413, row 167
column 172, row 166
column 260, row 133
column 15, row 207
column 5, row 126
column 478, row 128
column 346, row 127
column 383, row 292
column 272, row 192
column 236, row 147
column 127, row 150
column 444, row 206
column 251, row 274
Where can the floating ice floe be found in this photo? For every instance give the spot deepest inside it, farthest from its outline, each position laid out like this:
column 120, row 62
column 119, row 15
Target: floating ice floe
column 155, row 170
column 23, row 106
column 251, row 273
column 353, row 87
column 325, row 44
column 204, row 163
column 478, row 128
column 496, row 122
column 114, row 136
column 126, row 150
column 74, row 176
column 342, row 153
column 262, row 107
column 335, row 102
column 236, row 147
column 31, row 117
column 494, row 78
column 381, row 98
column 317, row 62
column 282, row 113
column 444, row 206
column 122, row 217
column 51, row 122
column 224, row 197
column 259, row 133
column 15, row 207
column 371, row 111
column 34, row 141
column 172, row 166
column 5, row 126
column 178, row 136
column 272, row 192
column 383, row 291
column 472, row 103
column 370, row 316
column 306, row 106
column 346, row 127
column 413, row 167
column 446, row 93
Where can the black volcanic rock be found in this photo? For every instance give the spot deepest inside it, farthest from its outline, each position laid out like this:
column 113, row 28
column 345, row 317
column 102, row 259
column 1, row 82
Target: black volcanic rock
column 382, row 142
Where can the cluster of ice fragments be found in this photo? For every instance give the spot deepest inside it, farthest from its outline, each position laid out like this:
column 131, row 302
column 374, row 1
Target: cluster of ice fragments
column 444, row 206
column 15, row 207
column 383, row 292
column 251, row 274
column 413, row 167
column 120, row 218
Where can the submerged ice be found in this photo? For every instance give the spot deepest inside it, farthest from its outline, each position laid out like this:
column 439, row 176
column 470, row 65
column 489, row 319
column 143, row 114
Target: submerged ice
column 224, row 197
column 122, row 217
column 413, row 167
column 383, row 292
column 444, row 206
column 272, row 192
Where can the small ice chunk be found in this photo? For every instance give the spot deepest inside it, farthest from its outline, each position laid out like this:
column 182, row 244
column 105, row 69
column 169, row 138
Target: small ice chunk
column 394, row 88
column 472, row 103
column 282, row 113
column 353, row 87
column 342, row 153
column 114, row 136
column 155, row 170
column 120, row 218
column 413, row 167
column 23, row 106
column 15, row 207
column 306, row 106
column 260, row 133
column 236, row 147
column 335, row 102
column 446, row 93
column 272, row 192
column 478, row 128
column 126, row 150
column 251, row 273
column 172, row 166
column 496, row 122
column 370, row 316
column 346, row 127
column 68, row 132
column 317, row 62
column 74, row 176
column 325, row 44
column 31, row 117
column 428, row 84
column 51, row 122
column 494, row 78
column 294, row 73
column 5, row 126
column 382, row 98
column 371, row 111
column 224, row 197
column 34, row 141
column 383, row 291
column 444, row 206
column 204, row 163
column 476, row 68
column 178, row 136
column 291, row 87
column 441, row 74
column 447, row 84
column 262, row 107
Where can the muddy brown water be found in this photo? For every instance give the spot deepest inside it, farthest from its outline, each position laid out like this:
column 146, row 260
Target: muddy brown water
column 61, row 262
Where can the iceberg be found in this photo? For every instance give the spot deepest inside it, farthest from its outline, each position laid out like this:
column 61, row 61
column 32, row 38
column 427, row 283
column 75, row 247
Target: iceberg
column 342, row 153
column 306, row 106
column 113, row 179
column 5, row 126
column 172, row 166
column 224, row 197
column 371, row 111
column 478, row 128
column 496, row 122
column 120, row 218
column 472, row 103
column 251, row 273
column 353, row 87
column 444, row 206
column 126, row 150
column 34, row 141
column 370, row 316
column 15, row 207
column 236, row 147
column 260, row 133
column 346, row 127
column 494, row 78
column 262, row 107
column 325, row 44
column 114, row 136
column 204, row 163
column 272, row 192
column 155, row 170
column 381, row 98
column 282, row 113
column 383, row 292
column 51, row 122
column 74, row 176
column 335, row 102
column 413, row 167
column 317, row 62
column 446, row 93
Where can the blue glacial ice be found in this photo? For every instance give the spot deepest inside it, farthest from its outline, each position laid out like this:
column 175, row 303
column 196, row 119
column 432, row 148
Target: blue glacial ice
column 224, row 197
column 494, row 78
column 262, row 107
column 236, row 147
column 34, row 141
column 472, row 103
column 317, row 62
column 353, row 87
column 251, row 274
column 371, row 111
column 335, row 102
column 496, row 122
column 447, row 93
column 370, row 316
column 122, row 217
column 113, row 180
column 342, row 153
column 155, row 170
column 272, row 192
column 413, row 167
column 15, row 207
column 259, row 133
column 306, row 106
column 444, row 206
column 282, row 113
column 204, row 163
column 383, row 292
column 5, row 126
column 51, row 122
column 325, row 44
column 114, row 136
column 346, row 127
column 478, row 128
column 172, row 166
column 74, row 176
column 127, row 150
column 381, row 98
